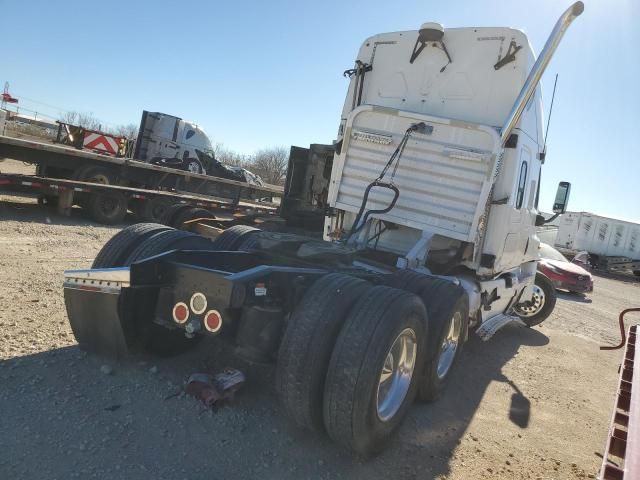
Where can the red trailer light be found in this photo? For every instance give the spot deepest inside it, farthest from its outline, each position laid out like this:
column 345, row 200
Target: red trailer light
column 213, row 321
column 180, row 313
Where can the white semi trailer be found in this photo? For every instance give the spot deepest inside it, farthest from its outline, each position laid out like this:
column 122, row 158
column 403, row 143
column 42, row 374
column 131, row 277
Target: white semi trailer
column 611, row 243
column 429, row 235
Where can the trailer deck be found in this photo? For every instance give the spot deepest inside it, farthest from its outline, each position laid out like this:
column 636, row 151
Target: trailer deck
column 65, row 190
column 49, row 155
column 110, row 185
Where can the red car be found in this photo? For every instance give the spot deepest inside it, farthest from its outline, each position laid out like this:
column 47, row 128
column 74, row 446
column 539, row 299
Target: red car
column 564, row 274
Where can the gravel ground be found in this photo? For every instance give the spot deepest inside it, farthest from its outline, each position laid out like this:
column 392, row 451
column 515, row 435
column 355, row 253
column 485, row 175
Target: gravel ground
column 528, row 404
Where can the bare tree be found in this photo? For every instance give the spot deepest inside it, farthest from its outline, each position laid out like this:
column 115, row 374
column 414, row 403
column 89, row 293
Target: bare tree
column 271, row 164
column 68, row 117
column 85, row 120
column 229, row 157
column 129, row 131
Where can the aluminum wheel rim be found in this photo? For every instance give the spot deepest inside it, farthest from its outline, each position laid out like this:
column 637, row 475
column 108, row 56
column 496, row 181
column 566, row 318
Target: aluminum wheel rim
column 449, row 345
column 396, row 374
column 193, row 167
column 531, row 308
column 99, row 178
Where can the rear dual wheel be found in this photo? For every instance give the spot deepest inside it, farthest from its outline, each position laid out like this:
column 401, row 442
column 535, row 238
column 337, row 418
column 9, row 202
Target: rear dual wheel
column 308, row 342
column 349, row 360
column 372, row 376
column 447, row 308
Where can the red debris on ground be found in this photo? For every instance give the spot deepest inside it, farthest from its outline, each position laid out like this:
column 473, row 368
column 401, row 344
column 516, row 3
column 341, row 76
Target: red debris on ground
column 213, row 390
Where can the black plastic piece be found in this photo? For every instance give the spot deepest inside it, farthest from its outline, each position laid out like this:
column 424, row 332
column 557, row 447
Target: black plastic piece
column 487, row 260
column 259, row 334
column 512, row 141
column 509, row 57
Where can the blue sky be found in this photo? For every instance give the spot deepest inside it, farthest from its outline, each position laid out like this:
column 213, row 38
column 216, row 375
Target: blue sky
column 258, row 73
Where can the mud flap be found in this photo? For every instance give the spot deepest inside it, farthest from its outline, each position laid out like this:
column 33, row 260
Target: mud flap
column 491, row 326
column 96, row 322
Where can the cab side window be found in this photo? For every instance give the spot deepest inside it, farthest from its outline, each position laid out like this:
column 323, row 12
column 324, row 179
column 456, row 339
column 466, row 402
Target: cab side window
column 522, row 185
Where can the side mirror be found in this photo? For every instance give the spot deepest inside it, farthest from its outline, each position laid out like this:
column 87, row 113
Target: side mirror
column 562, row 197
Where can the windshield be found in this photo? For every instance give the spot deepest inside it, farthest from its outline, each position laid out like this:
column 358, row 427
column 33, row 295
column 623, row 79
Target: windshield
column 550, row 253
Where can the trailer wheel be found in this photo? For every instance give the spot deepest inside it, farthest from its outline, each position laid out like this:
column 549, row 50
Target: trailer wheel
column 375, row 364
column 108, row 208
column 115, row 252
column 153, row 210
column 190, row 214
column 232, row 237
column 448, row 309
column 98, row 175
column 48, row 200
column 544, row 301
column 171, row 212
column 307, row 344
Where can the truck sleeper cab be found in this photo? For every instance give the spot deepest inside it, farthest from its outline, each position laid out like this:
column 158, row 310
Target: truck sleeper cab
column 430, row 231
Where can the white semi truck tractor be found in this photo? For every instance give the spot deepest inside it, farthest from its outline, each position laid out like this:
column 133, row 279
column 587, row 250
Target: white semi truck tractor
column 429, row 237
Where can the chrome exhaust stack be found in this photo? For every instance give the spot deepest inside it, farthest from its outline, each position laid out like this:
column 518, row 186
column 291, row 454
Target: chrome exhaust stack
column 538, row 69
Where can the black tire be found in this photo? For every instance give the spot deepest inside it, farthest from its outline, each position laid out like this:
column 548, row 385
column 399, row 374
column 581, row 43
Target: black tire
column 115, row 252
column 351, row 387
column 100, row 175
column 636, row 273
column 445, row 302
column 232, row 237
column 249, row 243
column 307, row 344
column 108, row 208
column 405, row 280
column 173, row 210
column 165, row 241
column 151, row 337
column 48, row 200
column 190, row 214
column 153, row 210
column 442, row 299
column 550, row 297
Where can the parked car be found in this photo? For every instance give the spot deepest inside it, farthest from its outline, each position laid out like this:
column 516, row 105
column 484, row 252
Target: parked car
column 563, row 274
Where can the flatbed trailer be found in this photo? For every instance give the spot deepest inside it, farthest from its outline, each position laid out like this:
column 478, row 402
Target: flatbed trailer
column 68, row 193
column 148, row 190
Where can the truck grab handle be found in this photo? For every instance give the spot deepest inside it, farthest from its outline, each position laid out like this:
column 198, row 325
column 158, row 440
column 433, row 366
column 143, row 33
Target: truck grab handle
column 538, row 68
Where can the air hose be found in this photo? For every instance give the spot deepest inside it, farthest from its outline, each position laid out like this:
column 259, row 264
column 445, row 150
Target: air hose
column 362, row 217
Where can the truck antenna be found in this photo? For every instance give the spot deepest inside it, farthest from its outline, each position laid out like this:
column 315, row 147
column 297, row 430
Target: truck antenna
column 546, row 133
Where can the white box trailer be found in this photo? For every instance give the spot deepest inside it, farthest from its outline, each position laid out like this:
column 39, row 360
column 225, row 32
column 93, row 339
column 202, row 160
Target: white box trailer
column 602, row 236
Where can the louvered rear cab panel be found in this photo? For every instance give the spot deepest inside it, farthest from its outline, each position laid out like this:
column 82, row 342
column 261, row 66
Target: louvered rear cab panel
column 444, row 176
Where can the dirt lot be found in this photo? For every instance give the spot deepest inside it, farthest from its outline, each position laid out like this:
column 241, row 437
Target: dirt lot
column 528, row 404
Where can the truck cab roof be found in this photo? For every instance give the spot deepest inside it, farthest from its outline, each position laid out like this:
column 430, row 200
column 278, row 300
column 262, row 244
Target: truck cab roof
column 488, row 68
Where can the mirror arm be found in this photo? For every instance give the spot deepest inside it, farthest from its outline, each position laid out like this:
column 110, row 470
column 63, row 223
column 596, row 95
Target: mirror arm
column 540, row 220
